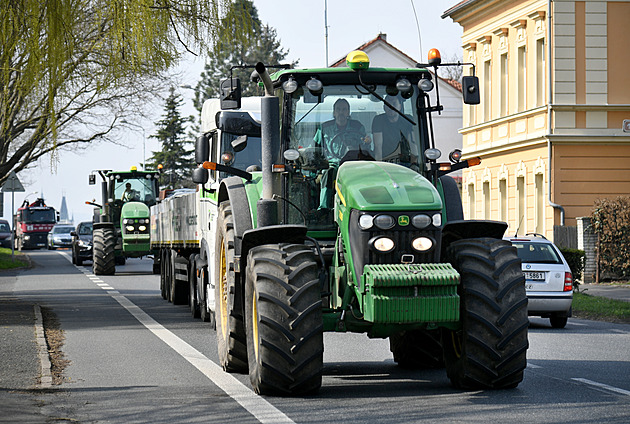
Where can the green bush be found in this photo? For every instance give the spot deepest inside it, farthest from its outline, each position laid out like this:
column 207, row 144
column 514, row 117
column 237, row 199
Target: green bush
column 611, row 222
column 575, row 259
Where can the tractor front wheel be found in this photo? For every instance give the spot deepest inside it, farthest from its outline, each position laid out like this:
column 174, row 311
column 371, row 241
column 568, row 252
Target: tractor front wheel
column 104, row 243
column 489, row 351
column 283, row 310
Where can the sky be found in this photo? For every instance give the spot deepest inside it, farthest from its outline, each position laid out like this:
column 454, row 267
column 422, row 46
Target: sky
column 300, row 26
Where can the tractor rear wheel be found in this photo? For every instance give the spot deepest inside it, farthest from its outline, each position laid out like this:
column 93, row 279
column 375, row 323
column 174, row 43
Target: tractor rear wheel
column 104, row 243
column 417, row 349
column 489, row 351
column 283, row 310
column 229, row 318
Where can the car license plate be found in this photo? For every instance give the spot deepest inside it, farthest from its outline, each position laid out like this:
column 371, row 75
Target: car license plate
column 534, row 276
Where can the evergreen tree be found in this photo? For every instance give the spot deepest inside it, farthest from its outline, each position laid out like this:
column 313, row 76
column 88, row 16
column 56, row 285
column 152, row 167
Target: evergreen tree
column 174, row 157
column 261, row 45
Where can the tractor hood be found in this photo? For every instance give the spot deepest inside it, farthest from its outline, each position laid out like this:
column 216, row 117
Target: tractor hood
column 134, row 210
column 384, row 186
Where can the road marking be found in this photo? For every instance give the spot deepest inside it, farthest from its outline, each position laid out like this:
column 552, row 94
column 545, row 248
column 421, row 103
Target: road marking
column 533, row 366
column 578, row 324
column 615, row 330
column 262, row 410
column 254, row 404
column 602, row 386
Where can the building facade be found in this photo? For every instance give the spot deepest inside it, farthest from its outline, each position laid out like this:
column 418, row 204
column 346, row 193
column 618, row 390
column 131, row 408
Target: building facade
column 555, row 92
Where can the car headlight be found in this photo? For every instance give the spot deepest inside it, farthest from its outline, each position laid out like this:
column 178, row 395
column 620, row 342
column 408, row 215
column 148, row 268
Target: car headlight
column 383, row 244
column 422, row 244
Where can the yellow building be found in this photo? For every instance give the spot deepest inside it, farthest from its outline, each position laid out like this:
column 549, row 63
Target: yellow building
column 555, row 91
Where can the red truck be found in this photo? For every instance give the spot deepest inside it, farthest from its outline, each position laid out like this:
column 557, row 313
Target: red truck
column 32, row 222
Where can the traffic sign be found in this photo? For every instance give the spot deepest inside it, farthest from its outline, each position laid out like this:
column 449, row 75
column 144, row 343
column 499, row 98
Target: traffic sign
column 12, row 184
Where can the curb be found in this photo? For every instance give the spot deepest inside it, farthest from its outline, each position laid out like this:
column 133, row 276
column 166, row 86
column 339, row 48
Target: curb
column 46, row 379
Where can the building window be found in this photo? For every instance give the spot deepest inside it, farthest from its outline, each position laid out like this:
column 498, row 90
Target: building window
column 503, row 200
column 522, row 78
column 487, row 89
column 504, row 84
column 540, row 72
column 486, row 199
column 471, row 201
column 540, row 199
column 520, row 205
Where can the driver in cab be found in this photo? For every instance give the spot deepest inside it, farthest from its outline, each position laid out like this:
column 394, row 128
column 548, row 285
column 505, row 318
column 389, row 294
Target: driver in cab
column 129, row 194
column 336, row 138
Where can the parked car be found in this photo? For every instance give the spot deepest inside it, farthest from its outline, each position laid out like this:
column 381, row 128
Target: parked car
column 548, row 278
column 82, row 243
column 5, row 233
column 60, row 236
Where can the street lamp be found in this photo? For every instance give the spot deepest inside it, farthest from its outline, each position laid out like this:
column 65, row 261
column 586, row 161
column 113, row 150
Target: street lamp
column 144, row 142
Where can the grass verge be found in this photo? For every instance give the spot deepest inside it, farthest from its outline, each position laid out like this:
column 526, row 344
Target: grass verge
column 600, row 308
column 19, row 260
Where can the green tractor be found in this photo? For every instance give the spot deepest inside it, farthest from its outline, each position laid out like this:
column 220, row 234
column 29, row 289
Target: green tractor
column 122, row 220
column 351, row 224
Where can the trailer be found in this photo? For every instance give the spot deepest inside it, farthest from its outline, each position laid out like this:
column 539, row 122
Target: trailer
column 183, row 220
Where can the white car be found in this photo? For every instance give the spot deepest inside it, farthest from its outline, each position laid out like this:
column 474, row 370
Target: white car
column 548, row 278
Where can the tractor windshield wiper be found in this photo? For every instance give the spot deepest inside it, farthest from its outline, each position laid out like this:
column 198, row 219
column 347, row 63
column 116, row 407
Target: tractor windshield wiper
column 378, row 96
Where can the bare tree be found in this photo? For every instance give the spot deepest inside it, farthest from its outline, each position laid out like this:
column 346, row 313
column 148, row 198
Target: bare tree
column 72, row 70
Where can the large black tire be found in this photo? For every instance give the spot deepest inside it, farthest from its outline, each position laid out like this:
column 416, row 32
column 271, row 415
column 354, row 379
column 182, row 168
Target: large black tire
column 205, row 313
column 489, row 352
column 283, row 310
column 193, row 299
column 104, row 243
column 164, row 261
column 231, row 340
column 179, row 279
column 417, row 349
column 558, row 321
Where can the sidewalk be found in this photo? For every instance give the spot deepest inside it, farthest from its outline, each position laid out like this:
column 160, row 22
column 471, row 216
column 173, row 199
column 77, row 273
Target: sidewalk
column 611, row 291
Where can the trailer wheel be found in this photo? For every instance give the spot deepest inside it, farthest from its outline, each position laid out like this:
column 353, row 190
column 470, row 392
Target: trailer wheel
column 202, row 283
column 104, row 259
column 163, row 271
column 229, row 319
column 283, row 309
column 193, row 300
column 489, row 351
column 417, row 349
column 178, row 279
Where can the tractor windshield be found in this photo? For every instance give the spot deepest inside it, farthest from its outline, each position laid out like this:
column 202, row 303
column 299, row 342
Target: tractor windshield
column 345, row 123
column 136, row 190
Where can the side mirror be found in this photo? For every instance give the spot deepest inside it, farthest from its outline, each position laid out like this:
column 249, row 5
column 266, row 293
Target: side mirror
column 230, row 96
column 200, row 175
column 202, row 149
column 92, row 179
column 470, row 90
column 239, row 143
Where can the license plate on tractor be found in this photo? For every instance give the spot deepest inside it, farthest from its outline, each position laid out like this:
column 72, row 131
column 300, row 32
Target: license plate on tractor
column 534, row 276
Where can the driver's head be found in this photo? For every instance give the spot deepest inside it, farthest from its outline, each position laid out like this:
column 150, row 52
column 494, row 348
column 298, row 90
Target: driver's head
column 341, row 112
column 128, row 185
column 396, row 103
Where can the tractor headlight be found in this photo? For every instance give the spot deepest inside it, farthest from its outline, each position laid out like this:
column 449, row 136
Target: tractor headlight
column 142, row 228
column 422, row 244
column 125, row 221
column 382, row 244
column 437, row 220
column 421, row 221
column 129, row 228
column 366, row 222
column 384, row 222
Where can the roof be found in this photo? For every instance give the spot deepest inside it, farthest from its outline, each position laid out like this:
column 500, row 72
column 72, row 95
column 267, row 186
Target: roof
column 380, row 38
column 456, row 8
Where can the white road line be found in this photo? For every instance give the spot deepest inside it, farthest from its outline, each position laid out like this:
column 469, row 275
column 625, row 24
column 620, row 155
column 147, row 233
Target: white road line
column 532, row 366
column 254, row 404
column 602, row 386
column 615, row 330
column 262, row 410
column 578, row 324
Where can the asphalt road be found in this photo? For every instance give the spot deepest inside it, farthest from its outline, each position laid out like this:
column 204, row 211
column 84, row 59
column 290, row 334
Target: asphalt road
column 137, row 359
